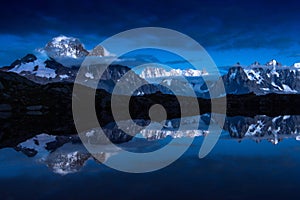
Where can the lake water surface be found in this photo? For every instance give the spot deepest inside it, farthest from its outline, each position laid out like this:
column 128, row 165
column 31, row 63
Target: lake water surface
column 248, row 167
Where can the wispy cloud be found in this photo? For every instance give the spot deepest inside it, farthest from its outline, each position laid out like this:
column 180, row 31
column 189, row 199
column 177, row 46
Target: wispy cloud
column 219, row 25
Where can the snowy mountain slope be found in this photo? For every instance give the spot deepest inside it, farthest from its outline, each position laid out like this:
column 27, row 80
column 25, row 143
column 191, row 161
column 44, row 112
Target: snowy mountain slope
column 41, row 69
column 262, row 80
column 63, row 46
column 155, row 72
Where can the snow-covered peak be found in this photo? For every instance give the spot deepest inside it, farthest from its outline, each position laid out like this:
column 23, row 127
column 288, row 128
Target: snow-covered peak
column 100, row 51
column 262, row 79
column 63, row 46
column 70, row 47
column 297, row 65
column 260, row 127
column 273, row 62
column 62, row 38
column 69, row 51
column 155, row 72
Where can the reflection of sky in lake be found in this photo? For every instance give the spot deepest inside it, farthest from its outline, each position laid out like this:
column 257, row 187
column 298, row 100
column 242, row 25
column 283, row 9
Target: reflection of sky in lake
column 247, row 167
column 231, row 170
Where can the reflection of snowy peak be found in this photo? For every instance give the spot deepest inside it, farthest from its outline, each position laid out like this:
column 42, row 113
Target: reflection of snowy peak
column 63, row 46
column 260, row 127
column 67, row 159
column 256, row 128
column 66, row 154
column 154, row 72
column 263, row 127
column 35, row 145
column 62, row 154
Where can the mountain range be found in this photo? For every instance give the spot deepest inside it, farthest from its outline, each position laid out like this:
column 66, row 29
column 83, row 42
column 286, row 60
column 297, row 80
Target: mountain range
column 61, row 58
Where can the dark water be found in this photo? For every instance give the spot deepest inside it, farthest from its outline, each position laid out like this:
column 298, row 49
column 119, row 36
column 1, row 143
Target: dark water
column 235, row 169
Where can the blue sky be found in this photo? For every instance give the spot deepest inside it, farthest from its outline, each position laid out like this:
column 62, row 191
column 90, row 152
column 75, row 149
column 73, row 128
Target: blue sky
column 230, row 30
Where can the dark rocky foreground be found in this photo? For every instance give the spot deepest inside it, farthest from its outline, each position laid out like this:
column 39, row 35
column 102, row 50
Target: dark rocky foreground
column 28, row 108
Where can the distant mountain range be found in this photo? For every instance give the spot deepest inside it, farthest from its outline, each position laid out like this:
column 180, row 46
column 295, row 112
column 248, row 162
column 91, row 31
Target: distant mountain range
column 61, row 58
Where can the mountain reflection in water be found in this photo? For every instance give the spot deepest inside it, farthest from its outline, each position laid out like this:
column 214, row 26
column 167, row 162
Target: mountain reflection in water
column 64, row 154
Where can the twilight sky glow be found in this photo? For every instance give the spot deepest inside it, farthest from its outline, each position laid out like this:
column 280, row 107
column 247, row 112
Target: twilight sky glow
column 230, row 30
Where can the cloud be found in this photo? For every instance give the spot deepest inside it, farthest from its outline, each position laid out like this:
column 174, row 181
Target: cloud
column 222, row 25
column 176, row 62
column 15, row 46
column 108, row 17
